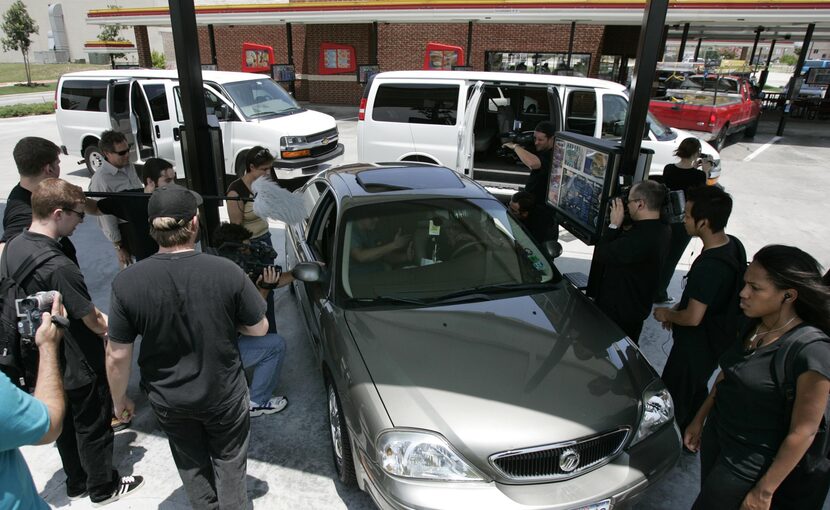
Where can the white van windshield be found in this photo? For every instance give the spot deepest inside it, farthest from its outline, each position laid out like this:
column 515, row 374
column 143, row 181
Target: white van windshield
column 261, row 98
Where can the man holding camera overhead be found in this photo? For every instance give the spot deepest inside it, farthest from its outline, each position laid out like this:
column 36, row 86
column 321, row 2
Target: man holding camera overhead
column 86, row 444
column 632, row 257
column 188, row 307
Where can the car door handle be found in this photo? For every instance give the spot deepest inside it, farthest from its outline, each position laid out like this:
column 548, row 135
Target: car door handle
column 177, row 135
column 158, row 131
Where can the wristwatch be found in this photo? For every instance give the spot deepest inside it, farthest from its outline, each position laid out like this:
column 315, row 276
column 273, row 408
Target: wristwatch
column 613, row 226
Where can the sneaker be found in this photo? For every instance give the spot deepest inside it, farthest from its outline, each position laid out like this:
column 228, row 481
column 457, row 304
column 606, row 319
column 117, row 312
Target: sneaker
column 117, row 425
column 127, row 485
column 274, row 405
column 76, row 495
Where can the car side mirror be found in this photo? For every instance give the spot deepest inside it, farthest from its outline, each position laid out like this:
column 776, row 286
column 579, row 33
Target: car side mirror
column 310, row 272
column 223, row 112
column 553, row 249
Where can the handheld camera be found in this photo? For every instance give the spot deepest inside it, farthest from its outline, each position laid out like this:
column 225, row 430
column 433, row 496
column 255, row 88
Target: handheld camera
column 30, row 312
column 523, row 138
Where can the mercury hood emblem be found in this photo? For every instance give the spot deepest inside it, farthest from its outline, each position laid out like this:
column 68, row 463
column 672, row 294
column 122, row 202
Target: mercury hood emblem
column 569, row 460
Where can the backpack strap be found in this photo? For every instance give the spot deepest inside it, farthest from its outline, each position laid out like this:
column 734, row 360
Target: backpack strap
column 29, row 264
column 786, row 355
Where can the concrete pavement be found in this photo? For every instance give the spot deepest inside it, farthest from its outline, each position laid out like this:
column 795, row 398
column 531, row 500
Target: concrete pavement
column 778, row 197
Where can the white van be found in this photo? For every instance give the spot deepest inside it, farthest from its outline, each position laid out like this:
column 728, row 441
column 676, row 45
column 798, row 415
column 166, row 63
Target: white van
column 145, row 105
column 458, row 119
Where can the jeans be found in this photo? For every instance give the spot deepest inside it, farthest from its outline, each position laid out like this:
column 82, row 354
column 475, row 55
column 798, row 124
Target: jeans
column 86, row 442
column 210, row 449
column 265, row 354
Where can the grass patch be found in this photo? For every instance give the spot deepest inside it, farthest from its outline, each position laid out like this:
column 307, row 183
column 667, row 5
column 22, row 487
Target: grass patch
column 24, row 89
column 16, row 73
column 22, row 110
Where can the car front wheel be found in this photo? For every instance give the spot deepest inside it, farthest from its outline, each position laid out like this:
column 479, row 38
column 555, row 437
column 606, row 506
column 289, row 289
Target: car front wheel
column 340, row 444
column 94, row 158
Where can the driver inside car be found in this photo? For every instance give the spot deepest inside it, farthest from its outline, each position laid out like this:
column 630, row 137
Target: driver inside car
column 370, row 246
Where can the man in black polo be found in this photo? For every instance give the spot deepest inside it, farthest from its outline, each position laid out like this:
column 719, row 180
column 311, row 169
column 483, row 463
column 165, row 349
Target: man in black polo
column 189, row 358
column 86, row 443
column 535, row 217
column 633, row 257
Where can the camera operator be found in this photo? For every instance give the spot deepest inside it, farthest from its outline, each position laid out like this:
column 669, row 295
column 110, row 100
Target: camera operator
column 31, row 419
column 632, row 257
column 265, row 354
column 690, row 172
column 86, row 444
column 539, row 162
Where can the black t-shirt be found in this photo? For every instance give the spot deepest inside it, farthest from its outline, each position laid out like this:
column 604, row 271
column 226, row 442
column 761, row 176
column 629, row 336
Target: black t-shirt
column 83, row 350
column 133, row 210
column 18, row 216
column 537, row 182
column 542, row 224
column 750, row 411
column 186, row 306
column 712, row 282
column 676, row 178
column 632, row 259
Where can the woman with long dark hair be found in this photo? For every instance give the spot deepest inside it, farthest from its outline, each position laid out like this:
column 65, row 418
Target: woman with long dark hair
column 753, row 436
column 690, row 172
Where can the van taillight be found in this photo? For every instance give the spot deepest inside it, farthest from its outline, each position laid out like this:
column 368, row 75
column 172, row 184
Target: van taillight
column 56, row 98
column 361, row 112
column 712, row 119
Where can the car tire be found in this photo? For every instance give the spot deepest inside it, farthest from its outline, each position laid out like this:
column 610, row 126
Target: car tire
column 341, row 446
column 94, row 158
column 720, row 140
column 751, row 129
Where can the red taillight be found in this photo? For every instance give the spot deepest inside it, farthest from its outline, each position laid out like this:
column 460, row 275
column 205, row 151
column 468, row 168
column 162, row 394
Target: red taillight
column 56, row 98
column 712, row 119
column 361, row 112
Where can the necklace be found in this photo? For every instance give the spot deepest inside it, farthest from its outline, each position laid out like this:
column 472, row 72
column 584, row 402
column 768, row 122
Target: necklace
column 752, row 341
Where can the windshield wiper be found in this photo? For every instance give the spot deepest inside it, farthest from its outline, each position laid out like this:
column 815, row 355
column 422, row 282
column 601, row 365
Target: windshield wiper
column 391, row 299
column 483, row 290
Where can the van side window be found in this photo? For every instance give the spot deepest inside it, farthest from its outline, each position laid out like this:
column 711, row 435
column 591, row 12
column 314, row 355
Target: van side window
column 120, row 99
column 581, row 116
column 84, row 95
column 157, row 98
column 614, row 109
column 416, row 104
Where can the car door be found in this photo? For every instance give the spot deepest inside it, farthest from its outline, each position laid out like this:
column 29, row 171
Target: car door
column 314, row 241
column 581, row 111
column 217, row 105
column 157, row 94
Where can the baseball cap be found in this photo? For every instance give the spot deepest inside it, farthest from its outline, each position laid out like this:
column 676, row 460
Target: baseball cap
column 173, row 201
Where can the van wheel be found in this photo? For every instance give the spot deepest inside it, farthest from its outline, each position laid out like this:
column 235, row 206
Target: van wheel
column 341, row 445
column 94, row 158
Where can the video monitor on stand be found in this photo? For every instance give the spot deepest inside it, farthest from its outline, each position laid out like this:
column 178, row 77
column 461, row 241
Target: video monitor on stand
column 581, row 182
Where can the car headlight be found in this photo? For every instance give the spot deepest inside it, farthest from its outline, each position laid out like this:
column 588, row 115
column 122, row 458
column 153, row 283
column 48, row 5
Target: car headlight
column 414, row 454
column 285, row 141
column 658, row 409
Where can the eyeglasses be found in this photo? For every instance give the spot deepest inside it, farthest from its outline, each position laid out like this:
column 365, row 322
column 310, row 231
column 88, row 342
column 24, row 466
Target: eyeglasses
column 124, row 152
column 81, row 214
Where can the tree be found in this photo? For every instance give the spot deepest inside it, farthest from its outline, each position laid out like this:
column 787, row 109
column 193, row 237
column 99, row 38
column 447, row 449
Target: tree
column 788, row 59
column 112, row 33
column 18, row 27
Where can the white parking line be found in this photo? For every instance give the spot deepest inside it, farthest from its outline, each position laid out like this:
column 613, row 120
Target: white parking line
column 762, row 148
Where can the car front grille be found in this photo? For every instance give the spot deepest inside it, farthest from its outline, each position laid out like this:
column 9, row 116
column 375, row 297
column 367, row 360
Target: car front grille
column 314, row 140
column 560, row 461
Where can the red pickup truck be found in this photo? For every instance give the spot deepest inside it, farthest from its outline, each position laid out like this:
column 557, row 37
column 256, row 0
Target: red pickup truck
column 711, row 107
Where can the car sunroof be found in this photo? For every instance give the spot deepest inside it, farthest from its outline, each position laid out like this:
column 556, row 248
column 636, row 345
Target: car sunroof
column 393, row 179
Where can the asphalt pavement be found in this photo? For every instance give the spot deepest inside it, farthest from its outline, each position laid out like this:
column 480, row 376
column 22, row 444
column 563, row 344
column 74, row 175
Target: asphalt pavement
column 779, row 186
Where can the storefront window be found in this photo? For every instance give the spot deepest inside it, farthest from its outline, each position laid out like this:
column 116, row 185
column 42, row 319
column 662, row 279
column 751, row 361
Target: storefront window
column 609, row 67
column 538, row 63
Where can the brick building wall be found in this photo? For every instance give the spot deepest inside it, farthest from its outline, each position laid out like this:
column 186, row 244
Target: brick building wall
column 326, row 88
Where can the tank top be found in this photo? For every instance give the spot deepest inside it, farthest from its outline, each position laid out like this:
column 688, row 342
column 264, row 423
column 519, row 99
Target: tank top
column 256, row 225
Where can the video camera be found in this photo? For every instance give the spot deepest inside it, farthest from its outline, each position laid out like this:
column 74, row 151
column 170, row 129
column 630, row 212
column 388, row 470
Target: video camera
column 30, row 312
column 674, row 206
column 523, row 138
column 248, row 257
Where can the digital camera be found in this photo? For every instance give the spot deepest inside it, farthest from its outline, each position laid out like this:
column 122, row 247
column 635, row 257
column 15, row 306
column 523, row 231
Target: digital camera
column 523, row 138
column 30, row 311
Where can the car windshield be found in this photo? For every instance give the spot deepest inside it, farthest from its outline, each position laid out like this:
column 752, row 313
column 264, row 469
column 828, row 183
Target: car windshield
column 261, row 98
column 429, row 251
column 661, row 132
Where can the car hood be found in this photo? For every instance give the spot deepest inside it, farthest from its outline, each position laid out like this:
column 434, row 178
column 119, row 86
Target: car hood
column 503, row 374
column 306, row 122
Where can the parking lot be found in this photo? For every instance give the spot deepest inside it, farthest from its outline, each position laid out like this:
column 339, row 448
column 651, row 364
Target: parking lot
column 778, row 186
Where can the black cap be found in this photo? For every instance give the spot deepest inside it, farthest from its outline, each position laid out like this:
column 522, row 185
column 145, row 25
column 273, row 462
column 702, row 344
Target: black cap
column 173, row 201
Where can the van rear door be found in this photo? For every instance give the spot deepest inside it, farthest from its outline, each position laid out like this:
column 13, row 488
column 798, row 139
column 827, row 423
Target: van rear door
column 157, row 97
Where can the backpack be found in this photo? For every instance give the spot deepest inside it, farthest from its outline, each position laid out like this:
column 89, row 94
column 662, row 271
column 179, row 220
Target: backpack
column 722, row 329
column 807, row 484
column 18, row 356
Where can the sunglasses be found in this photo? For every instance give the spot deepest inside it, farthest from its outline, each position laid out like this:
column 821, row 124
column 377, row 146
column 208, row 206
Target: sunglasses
column 81, row 214
column 125, row 151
